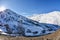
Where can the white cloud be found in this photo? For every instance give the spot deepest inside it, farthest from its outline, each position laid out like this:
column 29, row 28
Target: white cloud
column 51, row 17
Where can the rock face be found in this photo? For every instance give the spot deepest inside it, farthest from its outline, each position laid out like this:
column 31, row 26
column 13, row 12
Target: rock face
column 16, row 25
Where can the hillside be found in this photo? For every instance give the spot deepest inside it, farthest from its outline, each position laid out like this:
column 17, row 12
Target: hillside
column 53, row 36
column 13, row 24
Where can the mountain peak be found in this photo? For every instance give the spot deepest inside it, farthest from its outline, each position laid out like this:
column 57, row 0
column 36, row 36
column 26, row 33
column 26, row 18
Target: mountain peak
column 8, row 11
column 5, row 10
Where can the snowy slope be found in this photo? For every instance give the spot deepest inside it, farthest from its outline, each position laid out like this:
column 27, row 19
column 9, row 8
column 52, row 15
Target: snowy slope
column 52, row 17
column 16, row 25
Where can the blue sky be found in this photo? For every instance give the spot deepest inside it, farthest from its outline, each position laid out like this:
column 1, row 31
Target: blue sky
column 29, row 7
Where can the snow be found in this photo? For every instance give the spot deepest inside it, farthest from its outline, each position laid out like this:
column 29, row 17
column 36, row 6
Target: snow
column 13, row 24
column 33, row 29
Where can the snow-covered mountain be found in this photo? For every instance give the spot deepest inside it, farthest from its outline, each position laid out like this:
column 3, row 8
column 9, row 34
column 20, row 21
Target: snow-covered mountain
column 52, row 17
column 16, row 25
